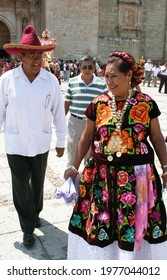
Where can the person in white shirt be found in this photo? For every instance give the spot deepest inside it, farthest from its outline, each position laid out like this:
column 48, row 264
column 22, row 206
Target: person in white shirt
column 30, row 100
column 148, row 72
column 163, row 78
column 155, row 71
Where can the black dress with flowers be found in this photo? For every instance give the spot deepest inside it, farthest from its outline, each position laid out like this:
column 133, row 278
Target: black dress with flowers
column 106, row 209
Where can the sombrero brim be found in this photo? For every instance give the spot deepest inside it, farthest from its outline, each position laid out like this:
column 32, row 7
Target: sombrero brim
column 15, row 48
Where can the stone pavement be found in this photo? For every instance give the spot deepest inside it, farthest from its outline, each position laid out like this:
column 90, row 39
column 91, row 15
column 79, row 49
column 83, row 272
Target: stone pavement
column 51, row 238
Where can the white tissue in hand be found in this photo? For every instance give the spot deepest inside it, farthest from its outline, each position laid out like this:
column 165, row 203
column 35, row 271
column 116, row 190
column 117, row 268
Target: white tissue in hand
column 67, row 191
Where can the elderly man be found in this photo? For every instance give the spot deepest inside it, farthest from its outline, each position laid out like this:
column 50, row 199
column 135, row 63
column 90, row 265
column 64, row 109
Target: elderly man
column 30, row 99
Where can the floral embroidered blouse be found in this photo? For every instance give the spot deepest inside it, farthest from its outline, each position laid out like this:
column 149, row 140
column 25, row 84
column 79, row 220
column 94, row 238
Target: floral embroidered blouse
column 135, row 148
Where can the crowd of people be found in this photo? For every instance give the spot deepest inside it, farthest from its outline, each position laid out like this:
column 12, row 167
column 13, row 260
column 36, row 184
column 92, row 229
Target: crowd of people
column 119, row 212
column 155, row 74
column 62, row 69
column 7, row 64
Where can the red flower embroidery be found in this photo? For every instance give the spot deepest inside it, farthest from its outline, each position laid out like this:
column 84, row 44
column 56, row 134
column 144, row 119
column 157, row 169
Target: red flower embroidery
column 132, row 220
column 141, row 135
column 88, row 175
column 122, row 178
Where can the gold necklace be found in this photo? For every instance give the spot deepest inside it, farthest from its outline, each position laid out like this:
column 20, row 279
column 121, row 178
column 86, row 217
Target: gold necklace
column 114, row 144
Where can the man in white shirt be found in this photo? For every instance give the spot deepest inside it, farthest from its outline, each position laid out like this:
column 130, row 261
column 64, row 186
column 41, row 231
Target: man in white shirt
column 30, row 99
column 163, row 78
column 148, row 72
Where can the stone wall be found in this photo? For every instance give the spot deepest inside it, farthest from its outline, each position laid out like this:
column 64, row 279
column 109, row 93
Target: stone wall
column 74, row 23
column 137, row 27
column 99, row 27
column 95, row 27
column 155, row 28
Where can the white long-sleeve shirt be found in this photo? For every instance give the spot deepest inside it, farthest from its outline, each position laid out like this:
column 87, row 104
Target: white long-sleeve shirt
column 163, row 68
column 28, row 110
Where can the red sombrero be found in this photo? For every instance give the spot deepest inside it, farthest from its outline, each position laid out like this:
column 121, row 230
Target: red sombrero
column 29, row 43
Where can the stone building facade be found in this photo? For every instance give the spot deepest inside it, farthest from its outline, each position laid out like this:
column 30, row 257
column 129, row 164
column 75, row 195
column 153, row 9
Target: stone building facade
column 95, row 27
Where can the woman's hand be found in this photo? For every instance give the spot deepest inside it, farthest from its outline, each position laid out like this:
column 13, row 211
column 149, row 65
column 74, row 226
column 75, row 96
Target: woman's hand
column 164, row 179
column 70, row 173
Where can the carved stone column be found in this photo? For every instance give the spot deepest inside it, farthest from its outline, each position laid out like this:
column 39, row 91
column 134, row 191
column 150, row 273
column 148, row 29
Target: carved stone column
column 32, row 11
column 18, row 20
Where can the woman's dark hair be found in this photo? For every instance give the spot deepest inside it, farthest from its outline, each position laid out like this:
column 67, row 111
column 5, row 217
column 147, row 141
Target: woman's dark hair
column 123, row 66
column 126, row 62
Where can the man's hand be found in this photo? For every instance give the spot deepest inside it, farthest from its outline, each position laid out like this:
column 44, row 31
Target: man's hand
column 60, row 151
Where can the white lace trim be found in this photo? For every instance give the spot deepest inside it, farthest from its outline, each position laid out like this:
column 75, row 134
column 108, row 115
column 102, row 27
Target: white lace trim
column 79, row 249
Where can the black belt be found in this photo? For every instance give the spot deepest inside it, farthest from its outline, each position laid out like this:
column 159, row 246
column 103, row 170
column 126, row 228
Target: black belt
column 77, row 117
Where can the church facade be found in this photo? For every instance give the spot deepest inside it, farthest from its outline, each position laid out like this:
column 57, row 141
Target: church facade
column 94, row 27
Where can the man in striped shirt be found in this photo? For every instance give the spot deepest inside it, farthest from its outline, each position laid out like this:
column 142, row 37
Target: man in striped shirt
column 81, row 90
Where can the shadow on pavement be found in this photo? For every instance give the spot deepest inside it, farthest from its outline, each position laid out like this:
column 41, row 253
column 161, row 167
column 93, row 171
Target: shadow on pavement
column 50, row 243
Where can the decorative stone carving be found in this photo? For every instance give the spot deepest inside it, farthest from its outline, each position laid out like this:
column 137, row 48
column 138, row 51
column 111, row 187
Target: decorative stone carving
column 129, row 17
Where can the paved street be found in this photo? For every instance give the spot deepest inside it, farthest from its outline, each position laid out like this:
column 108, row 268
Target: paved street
column 51, row 238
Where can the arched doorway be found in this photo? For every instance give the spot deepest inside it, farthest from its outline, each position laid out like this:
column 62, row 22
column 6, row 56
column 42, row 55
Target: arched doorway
column 4, row 38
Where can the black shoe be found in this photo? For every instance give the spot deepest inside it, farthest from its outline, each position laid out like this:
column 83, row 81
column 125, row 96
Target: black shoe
column 28, row 240
column 38, row 223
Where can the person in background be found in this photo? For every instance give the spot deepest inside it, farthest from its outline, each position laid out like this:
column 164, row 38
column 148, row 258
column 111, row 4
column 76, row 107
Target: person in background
column 120, row 213
column 30, row 99
column 55, row 69
column 148, row 72
column 1, row 66
column 46, row 59
column 155, row 71
column 7, row 65
column 81, row 90
column 163, row 78
column 66, row 70
column 61, row 64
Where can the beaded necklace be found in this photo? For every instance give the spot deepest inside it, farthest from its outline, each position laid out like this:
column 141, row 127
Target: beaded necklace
column 119, row 114
column 114, row 144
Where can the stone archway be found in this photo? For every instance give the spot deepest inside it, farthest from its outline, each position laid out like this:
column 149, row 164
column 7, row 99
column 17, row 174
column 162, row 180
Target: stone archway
column 4, row 38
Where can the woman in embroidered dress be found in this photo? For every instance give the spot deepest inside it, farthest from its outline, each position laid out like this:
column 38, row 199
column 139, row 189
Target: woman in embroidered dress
column 120, row 213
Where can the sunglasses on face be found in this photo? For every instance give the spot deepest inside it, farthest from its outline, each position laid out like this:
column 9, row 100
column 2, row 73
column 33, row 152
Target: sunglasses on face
column 33, row 55
column 89, row 67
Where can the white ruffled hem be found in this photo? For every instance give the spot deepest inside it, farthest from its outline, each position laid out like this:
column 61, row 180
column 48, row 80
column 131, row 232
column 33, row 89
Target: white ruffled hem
column 79, row 249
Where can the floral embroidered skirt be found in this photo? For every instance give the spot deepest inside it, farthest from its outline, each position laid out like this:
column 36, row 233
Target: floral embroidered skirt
column 119, row 203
